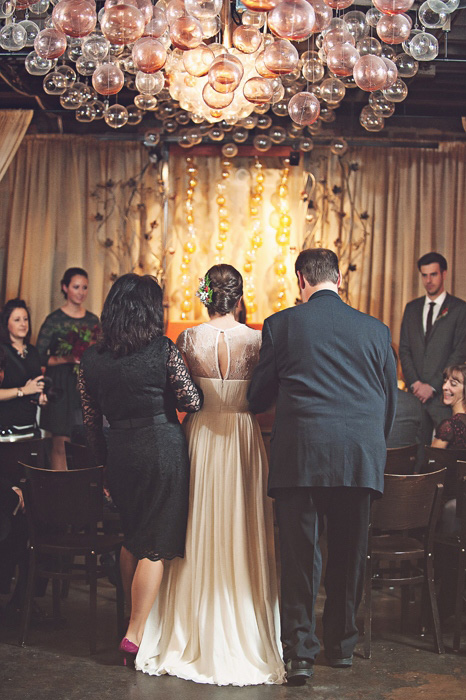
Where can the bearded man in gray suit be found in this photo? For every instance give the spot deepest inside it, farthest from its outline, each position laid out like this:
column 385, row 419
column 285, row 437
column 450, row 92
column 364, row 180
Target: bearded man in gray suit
column 332, row 373
column 433, row 337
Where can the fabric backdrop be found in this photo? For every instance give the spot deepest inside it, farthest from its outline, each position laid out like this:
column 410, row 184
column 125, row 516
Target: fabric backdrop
column 69, row 200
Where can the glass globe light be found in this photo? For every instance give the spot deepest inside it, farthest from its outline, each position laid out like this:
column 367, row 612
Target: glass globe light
column 116, row 116
column 424, row 47
column 407, row 66
column 397, row 92
column 380, row 105
column 258, row 90
column 332, row 90
column 186, row 33
column 225, row 73
column 356, row 24
column 393, row 29
column 148, row 55
column 447, row 6
column 292, row 19
column 76, row 18
column 108, row 79
column 262, row 142
column 369, row 46
column 281, row 57
column 203, row 9
column 50, row 43
column 304, row 108
column 393, row 7
column 370, row 73
column 247, row 39
column 122, row 24
column 371, row 121
column 341, row 59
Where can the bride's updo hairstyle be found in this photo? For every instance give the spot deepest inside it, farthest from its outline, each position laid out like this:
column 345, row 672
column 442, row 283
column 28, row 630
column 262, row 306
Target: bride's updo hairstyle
column 227, row 289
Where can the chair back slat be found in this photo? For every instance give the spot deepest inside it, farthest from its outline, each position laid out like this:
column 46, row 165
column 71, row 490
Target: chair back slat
column 59, row 498
column 407, row 501
column 401, row 460
column 437, row 458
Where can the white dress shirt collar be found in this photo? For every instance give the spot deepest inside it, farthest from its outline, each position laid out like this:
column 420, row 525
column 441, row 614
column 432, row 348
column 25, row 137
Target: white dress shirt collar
column 438, row 305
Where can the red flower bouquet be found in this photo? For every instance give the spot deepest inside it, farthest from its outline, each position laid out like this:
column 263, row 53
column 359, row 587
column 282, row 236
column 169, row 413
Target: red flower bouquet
column 76, row 341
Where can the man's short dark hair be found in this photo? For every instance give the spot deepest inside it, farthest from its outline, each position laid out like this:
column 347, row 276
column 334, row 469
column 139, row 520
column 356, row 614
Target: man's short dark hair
column 430, row 258
column 317, row 265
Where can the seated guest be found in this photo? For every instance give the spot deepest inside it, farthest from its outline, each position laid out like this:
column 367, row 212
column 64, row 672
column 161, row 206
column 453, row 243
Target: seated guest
column 23, row 382
column 13, row 536
column 451, row 433
column 407, row 426
column 406, row 429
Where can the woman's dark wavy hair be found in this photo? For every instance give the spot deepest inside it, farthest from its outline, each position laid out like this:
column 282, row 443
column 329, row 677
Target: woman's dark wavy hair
column 132, row 315
column 7, row 310
column 68, row 276
column 227, row 289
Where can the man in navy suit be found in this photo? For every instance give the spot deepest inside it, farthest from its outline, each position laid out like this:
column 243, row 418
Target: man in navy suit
column 332, row 373
column 433, row 337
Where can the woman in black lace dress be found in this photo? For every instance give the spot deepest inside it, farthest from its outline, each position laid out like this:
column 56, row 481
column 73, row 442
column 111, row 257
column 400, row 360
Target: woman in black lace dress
column 136, row 377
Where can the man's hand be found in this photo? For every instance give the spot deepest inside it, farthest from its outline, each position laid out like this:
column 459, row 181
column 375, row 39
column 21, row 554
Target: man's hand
column 422, row 391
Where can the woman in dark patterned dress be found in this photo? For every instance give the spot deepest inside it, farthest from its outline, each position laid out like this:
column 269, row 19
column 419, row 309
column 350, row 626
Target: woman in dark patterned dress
column 136, row 377
column 59, row 416
column 451, row 432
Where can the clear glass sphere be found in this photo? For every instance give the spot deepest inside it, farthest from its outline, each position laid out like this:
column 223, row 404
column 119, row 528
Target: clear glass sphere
column 116, row 116
column 407, row 66
column 397, row 92
column 304, row 108
column 424, row 47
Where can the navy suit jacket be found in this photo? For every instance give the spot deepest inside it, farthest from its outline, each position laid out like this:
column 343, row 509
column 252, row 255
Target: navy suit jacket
column 332, row 372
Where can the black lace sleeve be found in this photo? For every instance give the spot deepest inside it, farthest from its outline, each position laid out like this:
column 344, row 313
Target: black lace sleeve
column 92, row 422
column 188, row 396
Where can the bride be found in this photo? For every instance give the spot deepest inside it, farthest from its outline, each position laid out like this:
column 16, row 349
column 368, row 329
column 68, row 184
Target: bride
column 216, row 617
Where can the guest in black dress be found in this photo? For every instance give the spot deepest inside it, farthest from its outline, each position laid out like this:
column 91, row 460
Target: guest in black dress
column 23, row 382
column 136, row 377
column 65, row 411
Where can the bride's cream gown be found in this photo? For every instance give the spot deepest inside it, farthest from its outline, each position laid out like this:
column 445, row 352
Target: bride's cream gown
column 216, row 617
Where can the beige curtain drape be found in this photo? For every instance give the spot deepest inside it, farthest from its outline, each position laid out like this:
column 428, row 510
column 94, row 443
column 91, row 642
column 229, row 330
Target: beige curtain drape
column 13, row 126
column 82, row 201
column 72, row 201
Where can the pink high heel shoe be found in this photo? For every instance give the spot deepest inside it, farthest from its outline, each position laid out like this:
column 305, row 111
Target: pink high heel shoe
column 128, row 649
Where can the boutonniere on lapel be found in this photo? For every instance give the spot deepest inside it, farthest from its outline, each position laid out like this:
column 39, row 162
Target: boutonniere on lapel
column 442, row 314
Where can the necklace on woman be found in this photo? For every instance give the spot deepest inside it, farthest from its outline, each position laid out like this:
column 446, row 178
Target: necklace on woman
column 22, row 352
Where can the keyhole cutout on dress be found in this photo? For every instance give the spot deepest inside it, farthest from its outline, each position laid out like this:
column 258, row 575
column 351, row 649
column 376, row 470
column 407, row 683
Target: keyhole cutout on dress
column 223, row 355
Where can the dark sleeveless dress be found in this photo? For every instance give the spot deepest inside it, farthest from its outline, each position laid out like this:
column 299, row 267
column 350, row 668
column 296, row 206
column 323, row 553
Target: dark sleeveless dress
column 145, row 453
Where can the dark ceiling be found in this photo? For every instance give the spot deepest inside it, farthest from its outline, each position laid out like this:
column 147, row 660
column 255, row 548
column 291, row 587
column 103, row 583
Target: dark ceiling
column 432, row 111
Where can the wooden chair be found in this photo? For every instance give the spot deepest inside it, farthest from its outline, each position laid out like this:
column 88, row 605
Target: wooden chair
column 63, row 509
column 411, row 502
column 401, row 460
column 78, row 456
column 455, row 488
column 35, row 452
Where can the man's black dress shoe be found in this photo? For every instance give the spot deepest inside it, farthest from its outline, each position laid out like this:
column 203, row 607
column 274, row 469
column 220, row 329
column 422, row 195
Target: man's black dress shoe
column 298, row 672
column 345, row 662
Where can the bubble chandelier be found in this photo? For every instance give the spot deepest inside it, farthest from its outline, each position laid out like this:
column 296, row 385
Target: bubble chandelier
column 193, row 66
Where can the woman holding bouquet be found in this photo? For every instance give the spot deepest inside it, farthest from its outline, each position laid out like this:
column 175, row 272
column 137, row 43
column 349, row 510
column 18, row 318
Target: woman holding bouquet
column 63, row 336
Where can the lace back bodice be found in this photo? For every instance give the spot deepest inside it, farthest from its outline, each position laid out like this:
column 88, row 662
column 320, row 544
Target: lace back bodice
column 199, row 345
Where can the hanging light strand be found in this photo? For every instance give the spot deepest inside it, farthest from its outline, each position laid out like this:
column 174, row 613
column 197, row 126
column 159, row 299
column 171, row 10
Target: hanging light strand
column 190, row 244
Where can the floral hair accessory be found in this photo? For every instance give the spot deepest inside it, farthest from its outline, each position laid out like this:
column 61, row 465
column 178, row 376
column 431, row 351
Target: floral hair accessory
column 205, row 290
